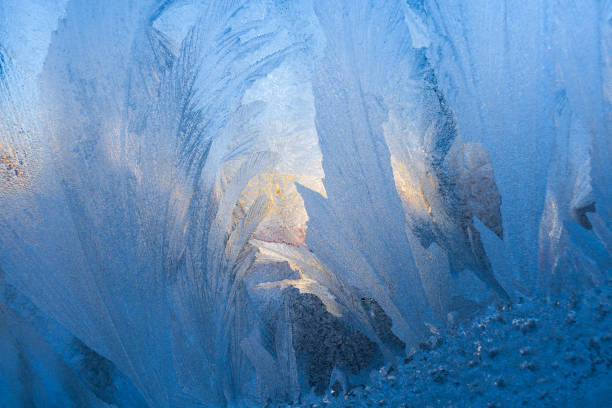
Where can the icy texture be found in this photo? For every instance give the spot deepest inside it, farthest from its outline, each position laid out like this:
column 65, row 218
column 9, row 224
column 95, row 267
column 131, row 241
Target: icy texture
column 533, row 354
column 212, row 203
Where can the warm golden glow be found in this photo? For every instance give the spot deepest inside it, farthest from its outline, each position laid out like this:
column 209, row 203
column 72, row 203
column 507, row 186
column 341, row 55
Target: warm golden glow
column 12, row 163
column 286, row 219
column 410, row 188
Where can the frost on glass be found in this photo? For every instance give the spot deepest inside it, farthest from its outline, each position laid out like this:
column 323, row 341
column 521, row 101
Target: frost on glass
column 207, row 203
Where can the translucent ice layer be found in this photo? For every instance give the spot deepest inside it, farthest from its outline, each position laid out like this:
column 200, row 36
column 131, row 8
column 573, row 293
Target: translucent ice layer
column 212, row 203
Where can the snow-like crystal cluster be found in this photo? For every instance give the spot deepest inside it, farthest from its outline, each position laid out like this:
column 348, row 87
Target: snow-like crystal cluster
column 209, row 203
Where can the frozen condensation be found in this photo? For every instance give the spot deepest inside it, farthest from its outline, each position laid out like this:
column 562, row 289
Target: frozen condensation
column 226, row 202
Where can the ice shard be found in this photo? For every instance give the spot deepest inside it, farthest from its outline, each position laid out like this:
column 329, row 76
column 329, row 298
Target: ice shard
column 239, row 203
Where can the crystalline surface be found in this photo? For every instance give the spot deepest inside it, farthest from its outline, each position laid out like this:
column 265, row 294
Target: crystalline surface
column 227, row 202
